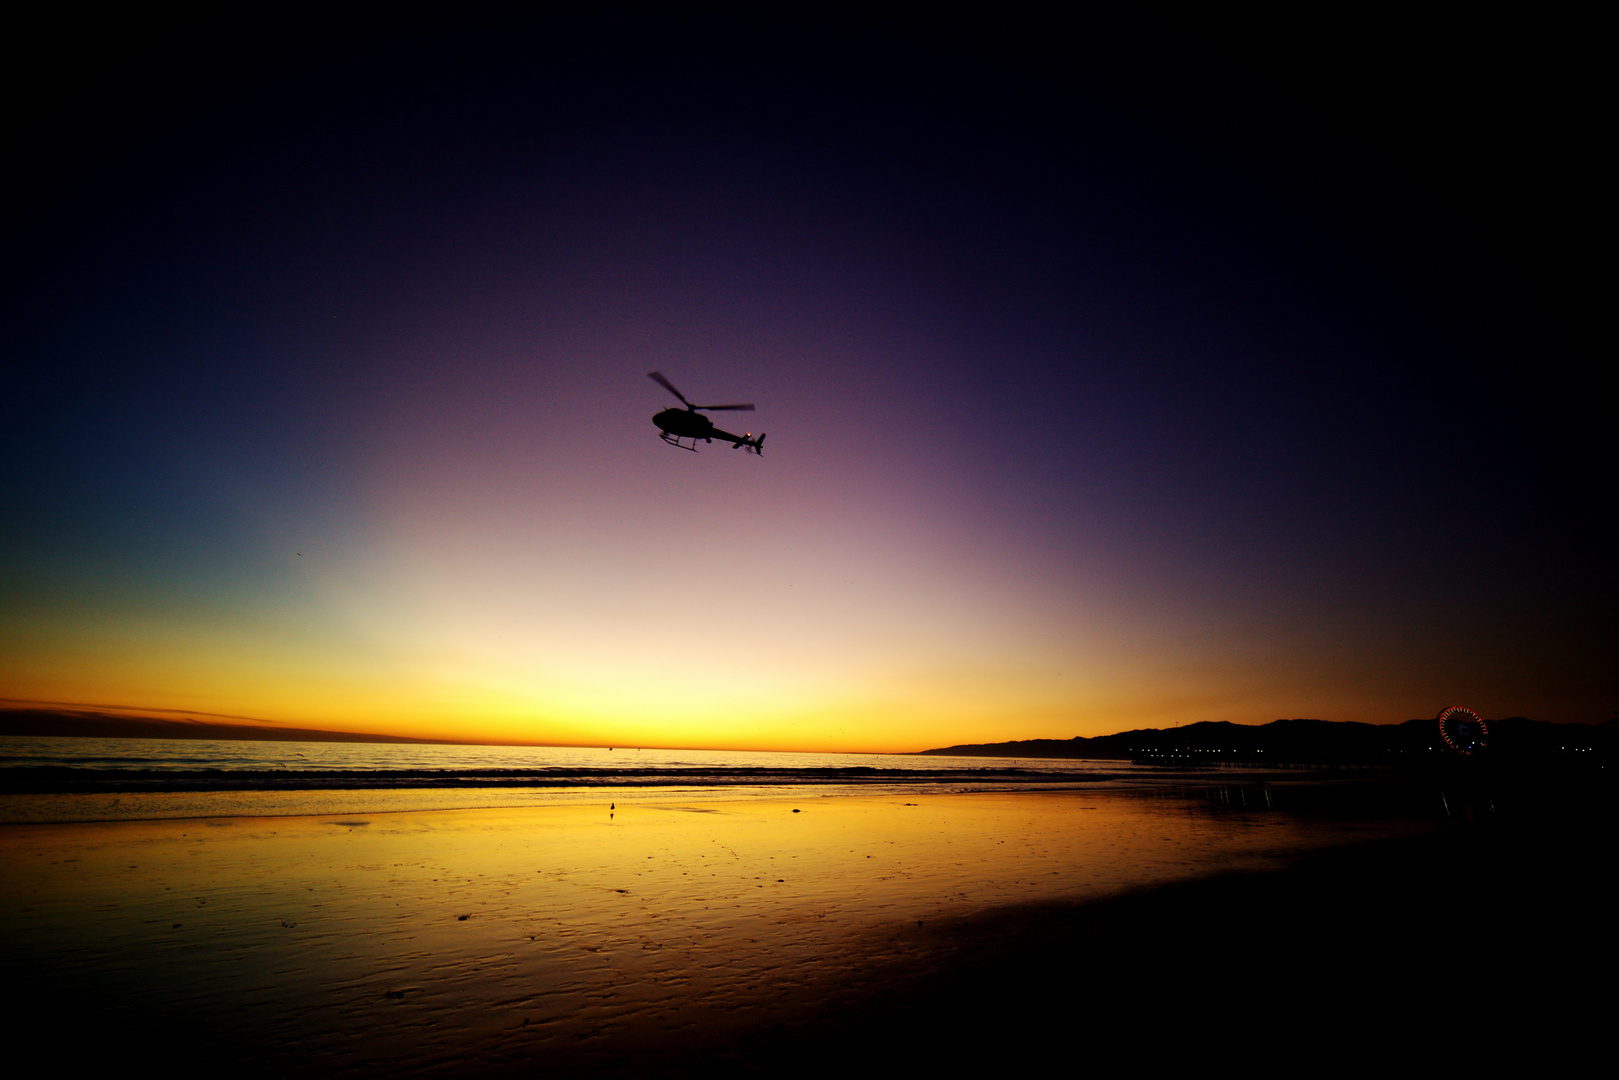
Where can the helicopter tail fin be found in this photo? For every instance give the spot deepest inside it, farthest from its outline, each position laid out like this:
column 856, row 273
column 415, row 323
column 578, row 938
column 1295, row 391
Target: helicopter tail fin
column 754, row 446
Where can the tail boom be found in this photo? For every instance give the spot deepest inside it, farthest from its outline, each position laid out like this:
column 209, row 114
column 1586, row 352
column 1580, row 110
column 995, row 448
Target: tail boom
column 754, row 444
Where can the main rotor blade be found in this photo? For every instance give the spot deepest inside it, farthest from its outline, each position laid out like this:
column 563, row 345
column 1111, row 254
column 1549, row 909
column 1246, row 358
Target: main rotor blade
column 657, row 377
column 719, row 408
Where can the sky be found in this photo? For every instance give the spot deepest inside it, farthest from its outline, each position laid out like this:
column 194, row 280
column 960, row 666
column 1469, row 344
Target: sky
column 1116, row 374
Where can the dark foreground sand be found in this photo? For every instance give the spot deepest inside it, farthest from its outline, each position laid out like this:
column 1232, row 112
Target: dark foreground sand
column 1475, row 950
column 951, row 934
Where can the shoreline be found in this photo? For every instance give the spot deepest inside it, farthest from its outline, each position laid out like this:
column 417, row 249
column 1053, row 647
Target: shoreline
column 165, row 803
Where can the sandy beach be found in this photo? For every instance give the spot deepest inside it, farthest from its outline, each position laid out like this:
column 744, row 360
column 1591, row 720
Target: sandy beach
column 751, row 935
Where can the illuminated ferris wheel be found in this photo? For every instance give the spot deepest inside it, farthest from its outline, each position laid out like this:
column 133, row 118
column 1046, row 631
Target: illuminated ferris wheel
column 1463, row 730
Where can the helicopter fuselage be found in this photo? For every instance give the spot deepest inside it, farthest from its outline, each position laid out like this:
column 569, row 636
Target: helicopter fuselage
column 686, row 424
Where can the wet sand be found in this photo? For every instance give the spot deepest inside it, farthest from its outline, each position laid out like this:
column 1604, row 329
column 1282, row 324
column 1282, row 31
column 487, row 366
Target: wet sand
column 744, row 937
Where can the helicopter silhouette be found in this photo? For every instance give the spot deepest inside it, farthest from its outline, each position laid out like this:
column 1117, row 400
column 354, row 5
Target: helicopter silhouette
column 675, row 425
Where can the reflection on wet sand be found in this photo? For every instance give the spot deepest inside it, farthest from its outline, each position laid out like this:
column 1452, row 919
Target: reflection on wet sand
column 560, row 937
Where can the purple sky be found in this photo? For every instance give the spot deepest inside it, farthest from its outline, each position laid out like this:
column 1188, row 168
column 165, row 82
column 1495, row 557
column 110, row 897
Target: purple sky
column 1114, row 376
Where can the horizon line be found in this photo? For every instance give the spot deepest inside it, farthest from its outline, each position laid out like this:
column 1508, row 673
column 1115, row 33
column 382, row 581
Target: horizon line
column 77, row 709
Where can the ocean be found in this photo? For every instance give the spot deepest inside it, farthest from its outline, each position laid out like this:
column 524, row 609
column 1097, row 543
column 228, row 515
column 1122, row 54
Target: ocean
column 77, row 779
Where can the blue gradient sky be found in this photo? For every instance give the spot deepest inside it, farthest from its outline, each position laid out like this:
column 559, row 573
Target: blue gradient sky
column 1101, row 392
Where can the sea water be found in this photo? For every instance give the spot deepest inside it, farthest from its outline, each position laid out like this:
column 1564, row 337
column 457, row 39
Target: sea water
column 76, row 779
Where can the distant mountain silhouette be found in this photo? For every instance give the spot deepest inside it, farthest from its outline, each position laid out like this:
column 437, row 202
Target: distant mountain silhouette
column 1281, row 742
column 66, row 723
column 1300, row 741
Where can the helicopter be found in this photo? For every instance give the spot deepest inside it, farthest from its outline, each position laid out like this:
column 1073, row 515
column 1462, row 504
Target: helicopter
column 675, row 425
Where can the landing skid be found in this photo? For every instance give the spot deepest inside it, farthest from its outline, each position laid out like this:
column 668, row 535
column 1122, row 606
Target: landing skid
column 675, row 440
